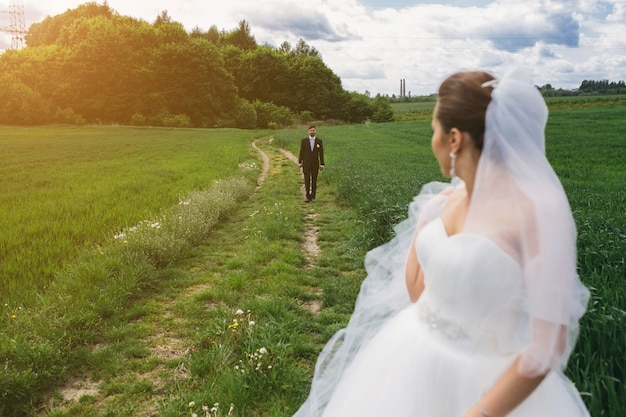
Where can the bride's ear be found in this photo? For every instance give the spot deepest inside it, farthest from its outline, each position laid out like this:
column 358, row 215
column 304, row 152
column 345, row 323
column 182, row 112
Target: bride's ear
column 456, row 138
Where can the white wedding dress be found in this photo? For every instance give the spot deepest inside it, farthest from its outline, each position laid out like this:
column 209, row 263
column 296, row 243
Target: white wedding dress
column 438, row 356
column 481, row 308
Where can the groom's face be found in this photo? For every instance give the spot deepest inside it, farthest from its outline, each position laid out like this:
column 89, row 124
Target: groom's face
column 312, row 132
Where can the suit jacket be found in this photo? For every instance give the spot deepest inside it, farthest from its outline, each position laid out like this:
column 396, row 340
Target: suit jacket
column 311, row 159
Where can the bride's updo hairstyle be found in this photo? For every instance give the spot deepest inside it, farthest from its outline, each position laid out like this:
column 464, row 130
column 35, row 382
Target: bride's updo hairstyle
column 462, row 103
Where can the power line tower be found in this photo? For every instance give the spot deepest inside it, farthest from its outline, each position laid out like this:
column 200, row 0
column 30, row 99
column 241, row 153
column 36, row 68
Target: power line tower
column 17, row 24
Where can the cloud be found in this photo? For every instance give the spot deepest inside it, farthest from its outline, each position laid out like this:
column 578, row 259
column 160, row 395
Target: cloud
column 364, row 72
column 5, row 41
column 514, row 28
column 300, row 23
column 310, row 23
column 372, row 44
column 545, row 52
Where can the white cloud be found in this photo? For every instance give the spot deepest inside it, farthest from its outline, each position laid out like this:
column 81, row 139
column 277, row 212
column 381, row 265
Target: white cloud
column 372, row 44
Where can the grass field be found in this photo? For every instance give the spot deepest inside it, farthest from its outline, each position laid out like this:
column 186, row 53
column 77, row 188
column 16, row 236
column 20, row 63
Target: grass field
column 423, row 110
column 149, row 337
column 65, row 189
column 586, row 148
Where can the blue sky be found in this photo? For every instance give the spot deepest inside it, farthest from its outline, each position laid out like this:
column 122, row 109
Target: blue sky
column 372, row 44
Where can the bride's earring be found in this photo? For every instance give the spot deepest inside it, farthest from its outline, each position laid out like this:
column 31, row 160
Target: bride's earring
column 452, row 163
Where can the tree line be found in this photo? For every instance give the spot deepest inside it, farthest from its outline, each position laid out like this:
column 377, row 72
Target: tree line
column 587, row 88
column 92, row 65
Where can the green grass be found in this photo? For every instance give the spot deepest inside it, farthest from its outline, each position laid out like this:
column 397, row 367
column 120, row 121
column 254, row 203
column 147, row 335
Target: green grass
column 423, row 110
column 585, row 102
column 153, row 336
column 66, row 189
column 380, row 167
column 377, row 168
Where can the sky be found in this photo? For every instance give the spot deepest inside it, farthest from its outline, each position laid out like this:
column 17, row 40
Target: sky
column 373, row 44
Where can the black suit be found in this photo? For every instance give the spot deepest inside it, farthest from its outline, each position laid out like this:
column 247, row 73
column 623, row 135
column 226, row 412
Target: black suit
column 311, row 161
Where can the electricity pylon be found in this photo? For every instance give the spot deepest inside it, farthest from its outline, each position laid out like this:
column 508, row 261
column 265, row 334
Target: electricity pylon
column 17, row 25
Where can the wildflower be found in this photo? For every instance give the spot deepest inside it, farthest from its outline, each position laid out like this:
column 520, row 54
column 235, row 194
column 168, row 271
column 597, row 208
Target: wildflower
column 263, row 351
column 192, row 404
column 251, row 323
column 239, row 312
column 205, row 408
column 231, row 410
column 13, row 316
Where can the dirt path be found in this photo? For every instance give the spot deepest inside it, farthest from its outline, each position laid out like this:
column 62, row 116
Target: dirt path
column 265, row 171
column 165, row 343
column 309, row 247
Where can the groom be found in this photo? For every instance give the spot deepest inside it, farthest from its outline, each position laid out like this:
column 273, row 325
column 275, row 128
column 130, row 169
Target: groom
column 311, row 160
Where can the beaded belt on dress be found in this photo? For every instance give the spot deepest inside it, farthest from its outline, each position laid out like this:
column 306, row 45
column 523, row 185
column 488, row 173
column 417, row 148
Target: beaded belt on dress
column 438, row 323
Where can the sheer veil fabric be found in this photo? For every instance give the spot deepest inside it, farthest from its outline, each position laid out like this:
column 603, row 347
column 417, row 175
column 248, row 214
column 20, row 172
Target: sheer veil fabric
column 519, row 204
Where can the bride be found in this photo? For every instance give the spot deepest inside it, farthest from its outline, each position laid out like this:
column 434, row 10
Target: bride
column 481, row 316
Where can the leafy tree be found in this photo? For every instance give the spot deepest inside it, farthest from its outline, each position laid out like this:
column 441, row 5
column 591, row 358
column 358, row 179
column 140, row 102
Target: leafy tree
column 303, row 49
column 383, row 112
column 241, row 37
column 40, row 69
column 191, row 79
column 359, row 108
column 91, row 65
column 263, row 74
column 212, row 35
column 47, row 31
column 104, row 63
column 246, row 117
column 21, row 104
column 316, row 88
column 602, row 87
column 269, row 114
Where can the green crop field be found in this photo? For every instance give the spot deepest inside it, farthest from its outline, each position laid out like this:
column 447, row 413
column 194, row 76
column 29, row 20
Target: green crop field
column 65, row 189
column 423, row 109
column 379, row 168
column 94, row 310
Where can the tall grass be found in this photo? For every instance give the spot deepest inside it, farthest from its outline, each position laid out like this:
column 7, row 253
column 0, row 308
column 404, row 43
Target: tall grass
column 378, row 168
column 65, row 189
column 40, row 345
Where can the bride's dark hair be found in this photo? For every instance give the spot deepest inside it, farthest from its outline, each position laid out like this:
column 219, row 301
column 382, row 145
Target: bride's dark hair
column 462, row 103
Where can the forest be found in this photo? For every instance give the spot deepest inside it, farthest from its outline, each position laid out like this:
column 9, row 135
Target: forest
column 93, row 65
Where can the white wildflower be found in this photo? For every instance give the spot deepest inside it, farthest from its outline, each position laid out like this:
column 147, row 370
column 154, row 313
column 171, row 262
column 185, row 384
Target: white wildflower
column 263, row 351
